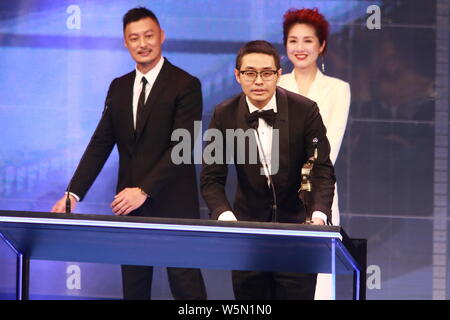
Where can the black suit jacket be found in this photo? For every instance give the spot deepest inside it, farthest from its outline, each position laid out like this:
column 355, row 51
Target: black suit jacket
column 175, row 101
column 298, row 121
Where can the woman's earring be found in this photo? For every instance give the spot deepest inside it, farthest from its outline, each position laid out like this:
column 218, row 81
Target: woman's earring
column 323, row 66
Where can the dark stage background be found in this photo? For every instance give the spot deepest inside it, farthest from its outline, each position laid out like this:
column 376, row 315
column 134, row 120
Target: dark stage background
column 57, row 59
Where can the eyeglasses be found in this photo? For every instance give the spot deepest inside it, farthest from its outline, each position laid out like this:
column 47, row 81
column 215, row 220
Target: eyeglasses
column 266, row 75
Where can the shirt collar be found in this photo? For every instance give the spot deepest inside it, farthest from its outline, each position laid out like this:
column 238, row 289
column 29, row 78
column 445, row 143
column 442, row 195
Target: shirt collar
column 152, row 74
column 272, row 104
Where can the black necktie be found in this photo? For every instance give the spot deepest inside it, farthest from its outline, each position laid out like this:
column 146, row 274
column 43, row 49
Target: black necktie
column 268, row 115
column 141, row 103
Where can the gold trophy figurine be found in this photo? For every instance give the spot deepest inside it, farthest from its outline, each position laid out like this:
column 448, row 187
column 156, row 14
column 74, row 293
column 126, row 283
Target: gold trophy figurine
column 306, row 184
column 307, row 170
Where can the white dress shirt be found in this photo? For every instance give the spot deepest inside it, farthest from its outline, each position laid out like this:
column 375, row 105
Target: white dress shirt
column 265, row 151
column 137, row 87
column 265, row 134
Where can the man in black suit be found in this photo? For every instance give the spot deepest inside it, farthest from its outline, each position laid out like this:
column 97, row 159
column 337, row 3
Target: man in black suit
column 269, row 194
column 143, row 108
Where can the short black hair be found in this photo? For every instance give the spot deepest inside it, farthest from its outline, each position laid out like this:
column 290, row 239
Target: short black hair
column 258, row 46
column 137, row 14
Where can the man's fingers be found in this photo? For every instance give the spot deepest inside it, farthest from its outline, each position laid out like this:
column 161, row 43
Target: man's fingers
column 59, row 207
column 121, row 192
column 118, row 208
column 121, row 206
column 131, row 208
column 124, row 210
column 56, row 210
column 117, row 201
column 126, row 201
column 317, row 221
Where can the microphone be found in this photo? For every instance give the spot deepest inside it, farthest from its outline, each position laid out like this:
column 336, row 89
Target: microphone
column 254, row 125
column 68, row 201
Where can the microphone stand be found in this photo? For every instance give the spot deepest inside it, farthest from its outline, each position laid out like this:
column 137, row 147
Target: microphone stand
column 272, row 186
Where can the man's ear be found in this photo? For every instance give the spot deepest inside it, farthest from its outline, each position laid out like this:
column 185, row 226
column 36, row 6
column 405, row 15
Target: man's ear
column 237, row 75
column 279, row 73
column 163, row 36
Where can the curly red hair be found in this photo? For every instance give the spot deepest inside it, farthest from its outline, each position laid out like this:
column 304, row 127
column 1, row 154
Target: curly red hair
column 311, row 17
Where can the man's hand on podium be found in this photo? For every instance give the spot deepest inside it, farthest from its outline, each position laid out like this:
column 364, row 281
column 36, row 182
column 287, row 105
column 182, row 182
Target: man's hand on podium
column 60, row 205
column 127, row 200
column 317, row 221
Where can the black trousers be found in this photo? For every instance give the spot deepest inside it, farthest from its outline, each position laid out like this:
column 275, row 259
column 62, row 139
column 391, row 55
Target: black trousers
column 253, row 285
column 185, row 284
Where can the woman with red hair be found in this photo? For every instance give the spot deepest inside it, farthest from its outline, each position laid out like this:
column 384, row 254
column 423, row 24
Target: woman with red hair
column 305, row 35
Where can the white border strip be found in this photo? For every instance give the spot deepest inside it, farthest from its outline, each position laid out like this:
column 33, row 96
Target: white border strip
column 173, row 227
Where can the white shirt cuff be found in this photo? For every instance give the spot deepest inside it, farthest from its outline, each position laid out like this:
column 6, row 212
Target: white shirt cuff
column 320, row 215
column 75, row 196
column 227, row 216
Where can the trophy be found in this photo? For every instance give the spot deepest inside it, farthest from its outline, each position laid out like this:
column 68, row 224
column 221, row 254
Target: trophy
column 307, row 168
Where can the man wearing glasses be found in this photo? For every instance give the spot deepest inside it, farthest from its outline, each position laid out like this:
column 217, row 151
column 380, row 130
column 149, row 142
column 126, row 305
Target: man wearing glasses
column 278, row 118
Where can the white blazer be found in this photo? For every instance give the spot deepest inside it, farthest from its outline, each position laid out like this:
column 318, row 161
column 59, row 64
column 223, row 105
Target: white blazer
column 332, row 96
column 333, row 99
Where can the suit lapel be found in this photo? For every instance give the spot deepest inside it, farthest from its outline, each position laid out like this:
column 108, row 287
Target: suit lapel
column 319, row 89
column 242, row 114
column 282, row 125
column 290, row 83
column 157, row 89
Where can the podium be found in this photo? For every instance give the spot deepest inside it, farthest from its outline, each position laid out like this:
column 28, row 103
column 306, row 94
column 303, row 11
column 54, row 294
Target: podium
column 191, row 243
